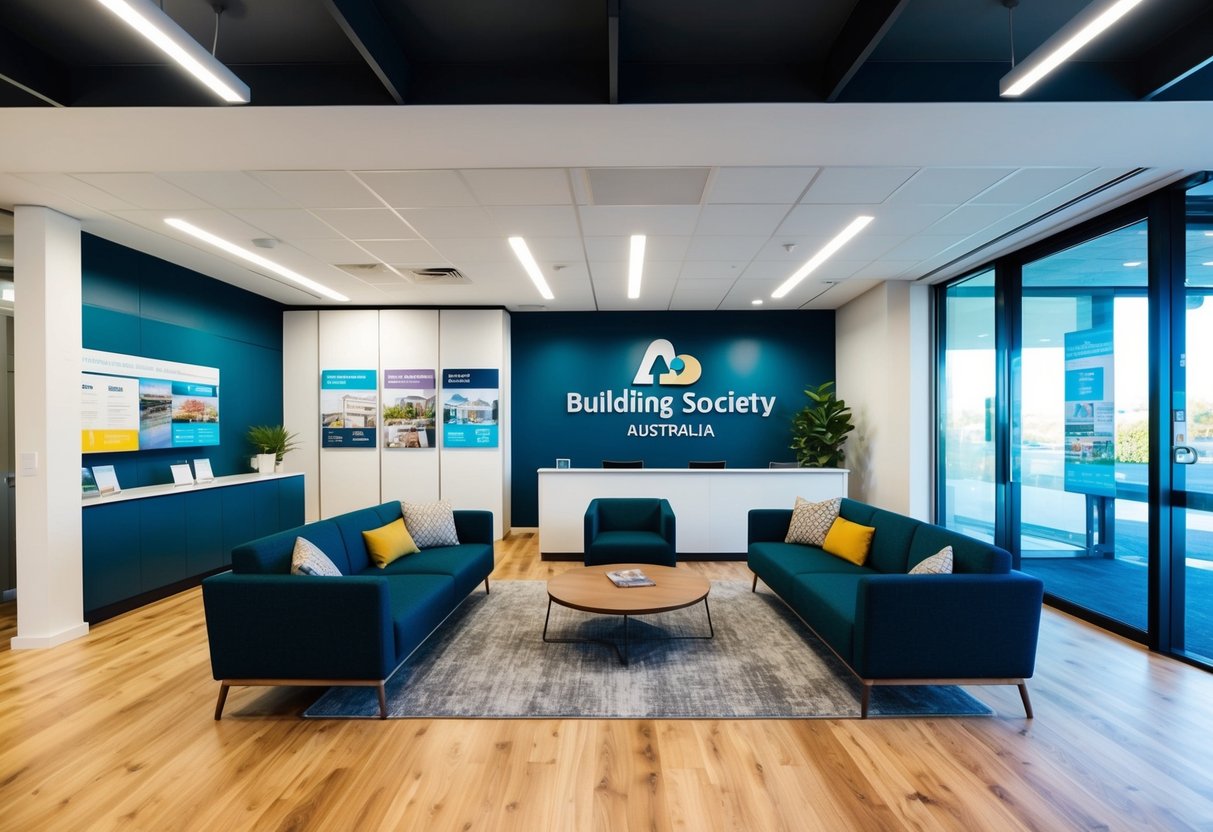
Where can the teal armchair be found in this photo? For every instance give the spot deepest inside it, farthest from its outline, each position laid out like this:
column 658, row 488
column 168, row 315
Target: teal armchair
column 630, row 530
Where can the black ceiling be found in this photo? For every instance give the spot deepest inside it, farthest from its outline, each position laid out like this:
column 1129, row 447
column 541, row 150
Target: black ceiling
column 327, row 52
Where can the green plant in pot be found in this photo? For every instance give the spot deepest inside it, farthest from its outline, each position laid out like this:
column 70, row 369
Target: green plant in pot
column 272, row 442
column 821, row 428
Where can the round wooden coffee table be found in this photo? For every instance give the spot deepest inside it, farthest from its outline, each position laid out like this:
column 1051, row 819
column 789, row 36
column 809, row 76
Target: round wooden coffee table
column 588, row 588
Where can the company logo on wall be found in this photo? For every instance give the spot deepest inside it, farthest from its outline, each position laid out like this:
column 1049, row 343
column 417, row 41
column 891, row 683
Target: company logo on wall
column 681, row 371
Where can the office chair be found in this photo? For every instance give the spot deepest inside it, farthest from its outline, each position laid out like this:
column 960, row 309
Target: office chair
column 623, row 463
column 784, row 465
column 718, row 463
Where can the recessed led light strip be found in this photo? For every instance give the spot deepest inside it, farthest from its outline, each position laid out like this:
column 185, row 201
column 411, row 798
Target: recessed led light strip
column 146, row 18
column 635, row 266
column 523, row 253
column 253, row 257
column 1081, row 30
column 827, row 251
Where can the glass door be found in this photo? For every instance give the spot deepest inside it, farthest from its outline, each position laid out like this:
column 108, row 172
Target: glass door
column 1081, row 452
column 1192, row 462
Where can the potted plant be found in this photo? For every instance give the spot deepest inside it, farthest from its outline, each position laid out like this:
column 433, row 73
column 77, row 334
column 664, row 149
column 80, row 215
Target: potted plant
column 272, row 443
column 821, row 428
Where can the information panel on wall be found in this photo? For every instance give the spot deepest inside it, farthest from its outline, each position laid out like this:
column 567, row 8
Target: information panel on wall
column 1090, row 430
column 349, row 408
column 133, row 403
column 409, row 398
column 470, row 408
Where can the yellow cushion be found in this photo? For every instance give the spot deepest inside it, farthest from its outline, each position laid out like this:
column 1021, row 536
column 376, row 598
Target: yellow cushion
column 388, row 543
column 849, row 541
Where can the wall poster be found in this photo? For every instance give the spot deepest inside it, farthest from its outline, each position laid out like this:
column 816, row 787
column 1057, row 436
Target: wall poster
column 409, row 399
column 1090, row 428
column 349, row 408
column 470, row 408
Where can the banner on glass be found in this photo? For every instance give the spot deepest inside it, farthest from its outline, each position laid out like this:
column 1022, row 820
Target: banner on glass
column 1090, row 426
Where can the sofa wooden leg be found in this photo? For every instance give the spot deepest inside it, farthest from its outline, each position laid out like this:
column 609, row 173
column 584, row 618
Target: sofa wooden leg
column 754, row 586
column 1027, row 703
column 486, row 586
column 382, row 701
column 863, row 701
column 223, row 687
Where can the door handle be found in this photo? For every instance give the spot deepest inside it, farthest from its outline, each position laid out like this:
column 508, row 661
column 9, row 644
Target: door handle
column 1184, row 455
column 10, row 480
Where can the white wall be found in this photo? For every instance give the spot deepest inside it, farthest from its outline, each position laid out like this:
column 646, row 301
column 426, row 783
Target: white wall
column 344, row 479
column 50, row 571
column 882, row 347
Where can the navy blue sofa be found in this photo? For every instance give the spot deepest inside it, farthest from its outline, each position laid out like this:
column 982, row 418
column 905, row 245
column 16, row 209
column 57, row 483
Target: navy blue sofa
column 268, row 627
column 977, row 626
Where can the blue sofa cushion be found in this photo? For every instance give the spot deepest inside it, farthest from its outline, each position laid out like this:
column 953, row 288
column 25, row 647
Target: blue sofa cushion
column 271, row 555
column 891, row 542
column 353, row 524
column 418, row 604
column 467, row 563
column 826, row 602
column 968, row 555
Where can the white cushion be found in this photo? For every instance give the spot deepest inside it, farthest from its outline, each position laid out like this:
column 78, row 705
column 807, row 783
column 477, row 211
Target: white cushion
column 811, row 522
column 307, row 559
column 939, row 563
column 430, row 524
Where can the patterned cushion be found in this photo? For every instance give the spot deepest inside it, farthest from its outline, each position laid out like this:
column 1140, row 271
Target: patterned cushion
column 307, row 559
column 811, row 521
column 430, row 524
column 939, row 563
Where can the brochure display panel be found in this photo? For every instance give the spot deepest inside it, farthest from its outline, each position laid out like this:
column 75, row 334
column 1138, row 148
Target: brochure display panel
column 132, row 403
column 470, row 408
column 349, row 408
column 409, row 397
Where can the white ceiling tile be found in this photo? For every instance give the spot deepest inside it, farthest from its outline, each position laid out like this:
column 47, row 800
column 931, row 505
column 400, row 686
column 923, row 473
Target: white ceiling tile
column 367, row 224
column 768, row 270
column 699, row 294
column 724, row 248
column 884, row 269
column 213, row 220
column 610, row 285
column 802, row 248
column 745, row 292
column 841, row 293
column 318, row 188
column 146, row 190
column 1027, row 185
column 75, row 189
column 404, row 252
column 333, row 251
column 228, row 189
column 655, row 248
column 433, row 223
column 858, row 185
column 625, row 220
column 520, row 186
column 923, row 246
column 419, row 188
column 461, row 250
column 738, row 220
column 536, row 220
column 969, row 219
column 288, row 225
column 947, row 186
column 557, row 249
column 828, row 220
column 726, row 270
column 759, row 185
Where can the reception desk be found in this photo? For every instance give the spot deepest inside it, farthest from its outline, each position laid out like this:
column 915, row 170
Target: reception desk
column 711, row 504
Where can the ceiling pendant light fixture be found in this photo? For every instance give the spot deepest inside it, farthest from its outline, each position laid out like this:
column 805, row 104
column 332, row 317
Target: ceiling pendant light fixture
column 254, row 258
column 824, row 253
column 150, row 21
column 1081, row 30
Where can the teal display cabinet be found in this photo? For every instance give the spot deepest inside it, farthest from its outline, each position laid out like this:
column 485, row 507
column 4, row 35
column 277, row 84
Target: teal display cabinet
column 143, row 544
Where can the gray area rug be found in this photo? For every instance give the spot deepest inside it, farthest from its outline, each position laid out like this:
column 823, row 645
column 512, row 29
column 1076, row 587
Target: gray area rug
column 488, row 660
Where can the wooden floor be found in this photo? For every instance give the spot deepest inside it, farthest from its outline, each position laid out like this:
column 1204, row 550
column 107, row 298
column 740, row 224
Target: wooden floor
column 115, row 731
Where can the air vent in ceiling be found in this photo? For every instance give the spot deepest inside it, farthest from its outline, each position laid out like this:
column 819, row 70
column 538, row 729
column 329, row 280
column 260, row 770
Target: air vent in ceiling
column 371, row 272
column 647, row 186
column 434, row 276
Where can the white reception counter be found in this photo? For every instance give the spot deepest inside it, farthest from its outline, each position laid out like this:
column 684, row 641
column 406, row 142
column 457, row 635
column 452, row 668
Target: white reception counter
column 711, row 504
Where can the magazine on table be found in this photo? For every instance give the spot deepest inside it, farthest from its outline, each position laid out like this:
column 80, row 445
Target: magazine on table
column 630, row 577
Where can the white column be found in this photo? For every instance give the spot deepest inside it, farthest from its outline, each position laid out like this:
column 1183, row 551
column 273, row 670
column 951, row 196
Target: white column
column 301, row 402
column 50, row 586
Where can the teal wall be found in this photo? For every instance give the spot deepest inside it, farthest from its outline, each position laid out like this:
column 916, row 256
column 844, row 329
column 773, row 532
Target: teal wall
column 140, row 305
column 552, row 354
